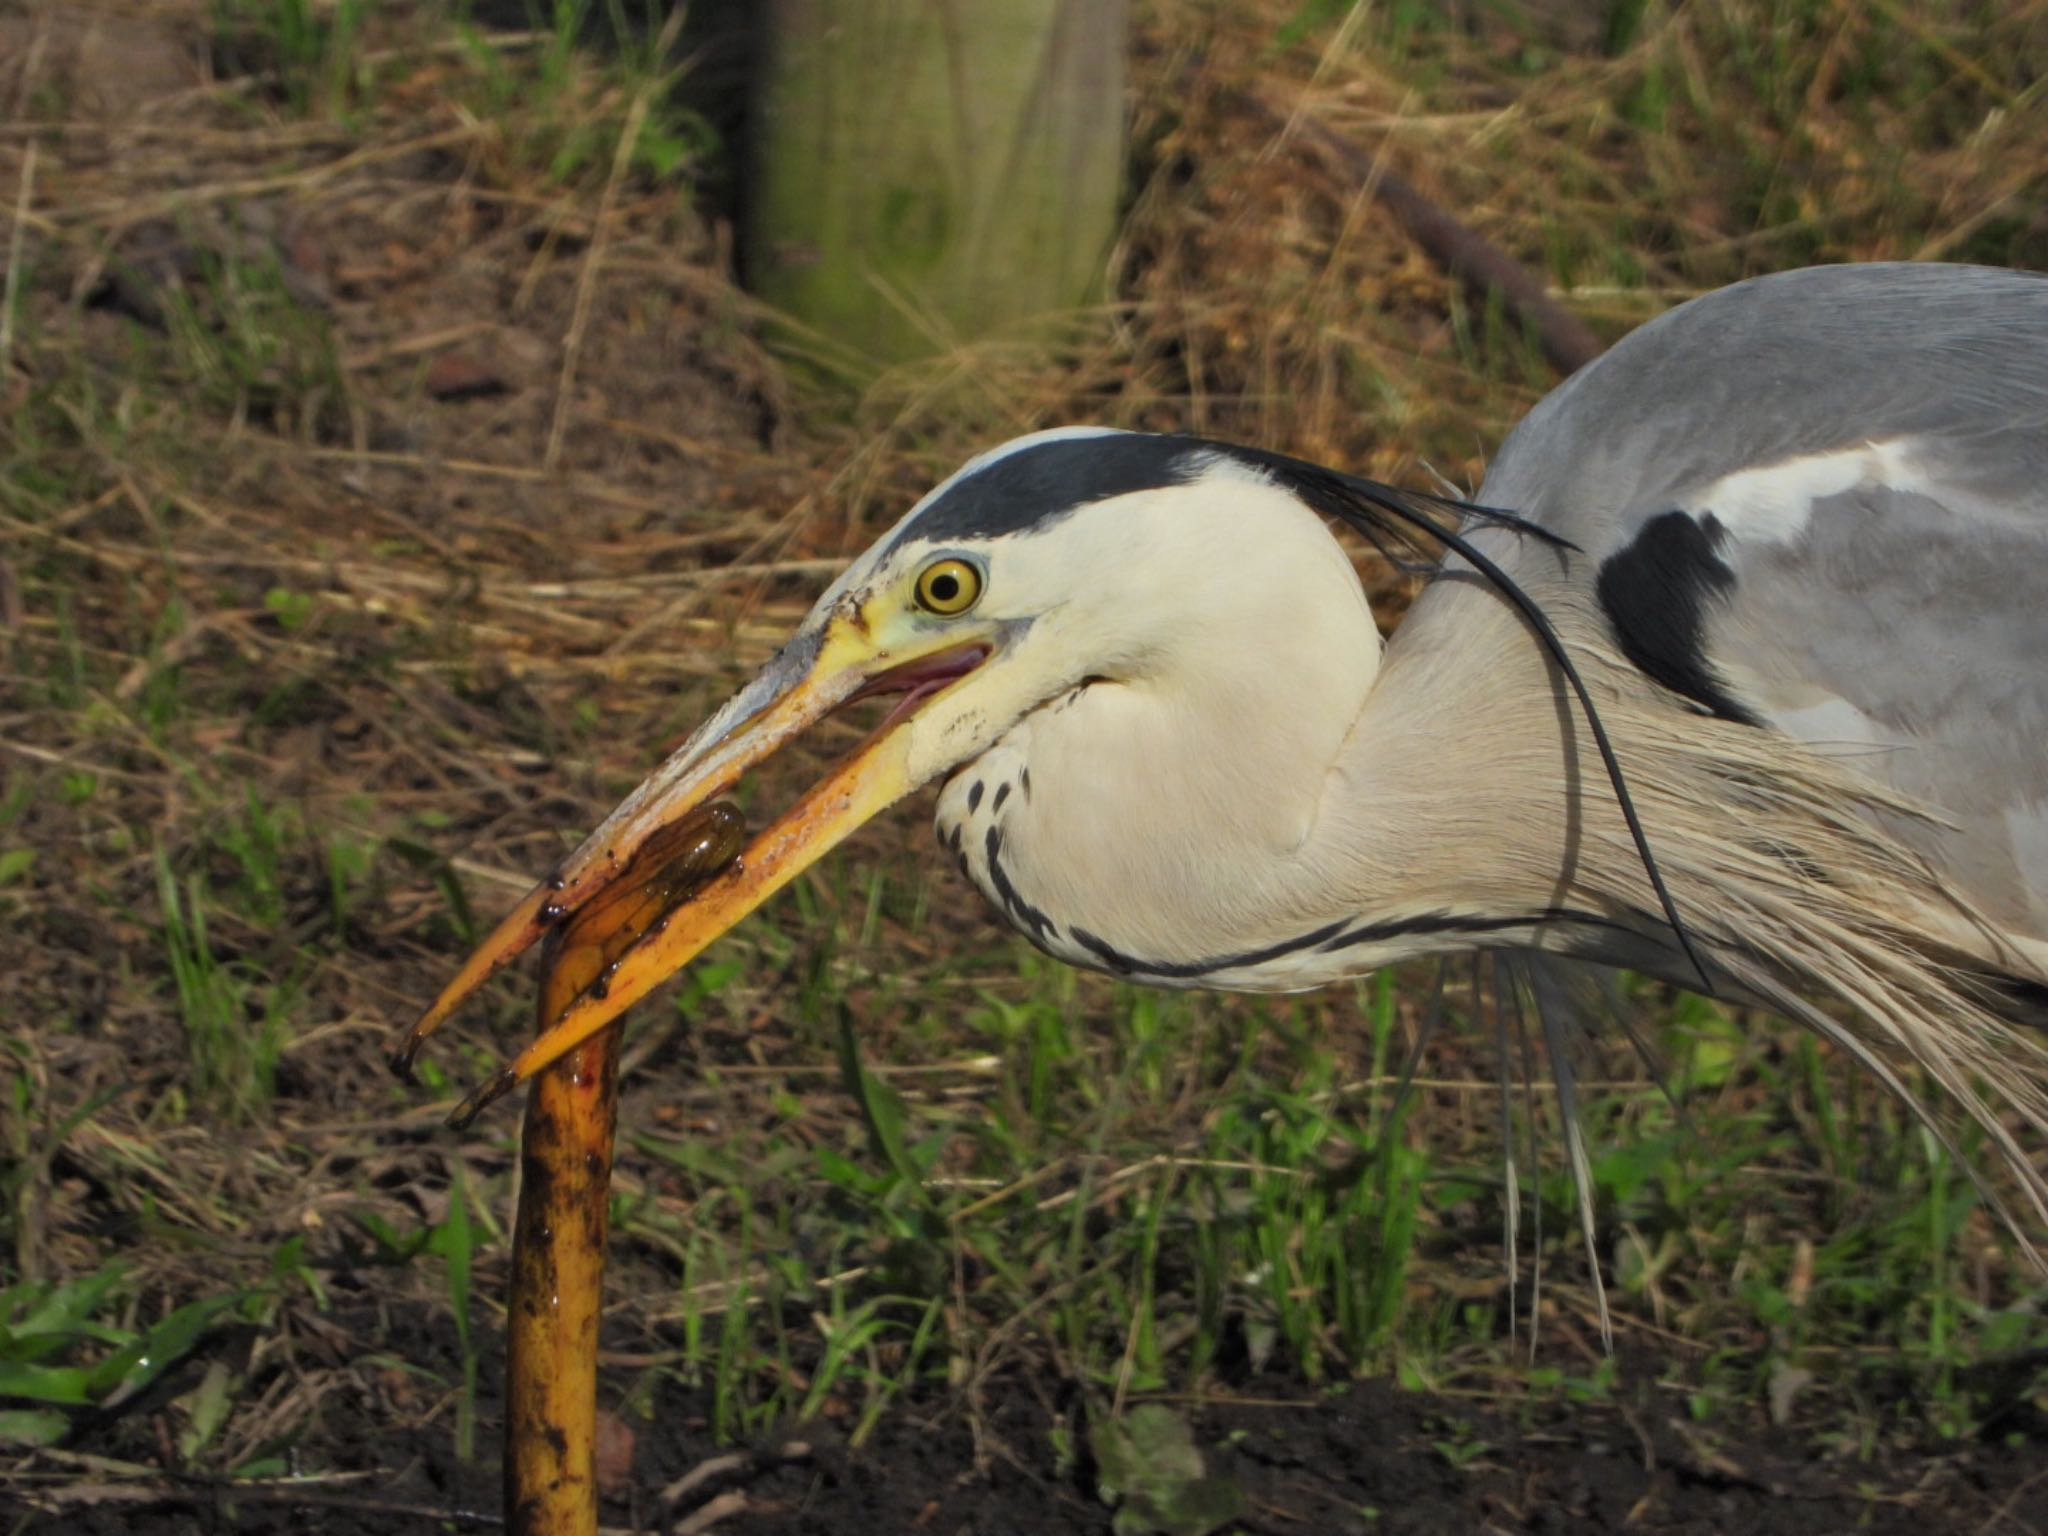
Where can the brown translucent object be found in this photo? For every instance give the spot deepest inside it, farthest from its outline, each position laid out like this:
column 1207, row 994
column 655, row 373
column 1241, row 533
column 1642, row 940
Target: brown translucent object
column 565, row 1164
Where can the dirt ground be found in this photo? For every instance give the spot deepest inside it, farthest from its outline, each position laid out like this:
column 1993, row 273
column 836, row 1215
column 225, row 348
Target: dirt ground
column 1358, row 1460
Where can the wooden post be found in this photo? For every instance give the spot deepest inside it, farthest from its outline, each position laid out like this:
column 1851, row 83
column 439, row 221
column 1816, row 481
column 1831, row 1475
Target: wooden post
column 931, row 171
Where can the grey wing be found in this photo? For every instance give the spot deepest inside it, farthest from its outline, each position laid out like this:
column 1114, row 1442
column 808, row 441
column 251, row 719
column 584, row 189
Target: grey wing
column 1894, row 627
column 1819, row 502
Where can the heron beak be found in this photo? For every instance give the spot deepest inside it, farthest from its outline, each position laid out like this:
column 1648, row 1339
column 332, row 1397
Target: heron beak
column 816, row 675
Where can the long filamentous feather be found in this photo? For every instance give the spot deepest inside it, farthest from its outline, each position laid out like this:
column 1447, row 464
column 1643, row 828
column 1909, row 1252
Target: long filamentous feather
column 1511, row 1179
column 1800, row 892
column 1555, row 1017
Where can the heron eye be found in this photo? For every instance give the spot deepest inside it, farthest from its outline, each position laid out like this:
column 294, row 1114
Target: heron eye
column 947, row 587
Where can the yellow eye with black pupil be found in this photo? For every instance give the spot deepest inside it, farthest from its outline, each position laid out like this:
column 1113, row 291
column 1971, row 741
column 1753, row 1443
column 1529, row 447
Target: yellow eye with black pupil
column 947, row 587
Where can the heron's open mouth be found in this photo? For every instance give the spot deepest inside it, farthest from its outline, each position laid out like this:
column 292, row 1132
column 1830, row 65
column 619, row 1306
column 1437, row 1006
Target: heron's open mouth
column 801, row 688
column 919, row 680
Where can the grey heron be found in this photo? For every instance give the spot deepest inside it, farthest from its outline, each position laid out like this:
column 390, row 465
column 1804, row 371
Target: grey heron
column 1735, row 672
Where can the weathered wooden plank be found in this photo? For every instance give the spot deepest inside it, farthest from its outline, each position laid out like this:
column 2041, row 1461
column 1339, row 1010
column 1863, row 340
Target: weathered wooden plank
column 927, row 171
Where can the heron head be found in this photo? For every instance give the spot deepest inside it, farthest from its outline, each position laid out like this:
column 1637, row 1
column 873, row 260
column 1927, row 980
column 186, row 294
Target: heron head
column 1059, row 560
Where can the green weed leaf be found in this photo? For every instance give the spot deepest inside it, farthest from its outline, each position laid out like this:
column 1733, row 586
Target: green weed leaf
column 45, row 1383
column 292, row 610
column 880, row 1108
column 129, row 1370
column 32, row 1426
column 1151, row 1471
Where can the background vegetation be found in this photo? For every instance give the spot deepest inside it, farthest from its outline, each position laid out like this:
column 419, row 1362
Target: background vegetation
column 390, row 471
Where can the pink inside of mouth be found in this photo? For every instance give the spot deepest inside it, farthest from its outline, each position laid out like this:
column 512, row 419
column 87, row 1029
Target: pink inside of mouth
column 919, row 680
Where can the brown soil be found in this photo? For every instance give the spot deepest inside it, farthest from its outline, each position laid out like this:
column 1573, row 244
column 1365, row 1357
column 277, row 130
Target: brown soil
column 1367, row 1459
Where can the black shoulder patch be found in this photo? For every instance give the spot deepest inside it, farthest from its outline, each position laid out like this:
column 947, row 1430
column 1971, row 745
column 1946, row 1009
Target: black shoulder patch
column 1047, row 480
column 1656, row 592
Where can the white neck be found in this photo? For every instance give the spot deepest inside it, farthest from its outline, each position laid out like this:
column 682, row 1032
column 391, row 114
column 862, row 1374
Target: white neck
column 1143, row 829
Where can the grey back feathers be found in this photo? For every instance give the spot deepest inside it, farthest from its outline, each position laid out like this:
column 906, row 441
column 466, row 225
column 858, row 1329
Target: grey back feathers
column 1820, row 501
column 1785, row 366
